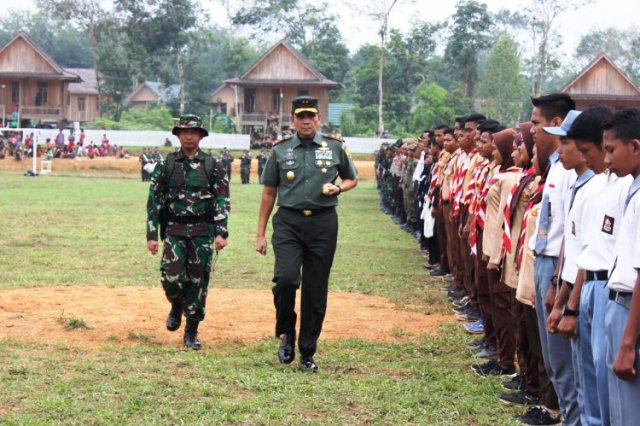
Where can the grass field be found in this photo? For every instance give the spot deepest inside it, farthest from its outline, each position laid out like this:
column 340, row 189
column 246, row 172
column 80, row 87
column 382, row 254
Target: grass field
column 90, row 231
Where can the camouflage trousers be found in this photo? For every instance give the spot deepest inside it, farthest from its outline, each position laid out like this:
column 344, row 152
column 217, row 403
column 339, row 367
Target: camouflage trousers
column 185, row 270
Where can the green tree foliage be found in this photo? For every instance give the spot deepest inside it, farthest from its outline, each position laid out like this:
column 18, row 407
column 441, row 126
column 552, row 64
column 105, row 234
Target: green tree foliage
column 502, row 87
column 153, row 118
column 431, row 108
column 64, row 43
column 470, row 28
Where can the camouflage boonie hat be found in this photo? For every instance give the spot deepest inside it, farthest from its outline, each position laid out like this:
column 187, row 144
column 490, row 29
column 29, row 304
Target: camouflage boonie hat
column 189, row 121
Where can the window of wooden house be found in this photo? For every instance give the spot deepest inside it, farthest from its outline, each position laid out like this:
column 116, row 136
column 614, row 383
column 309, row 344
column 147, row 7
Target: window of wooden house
column 42, row 93
column 275, row 100
column 15, row 93
column 81, row 104
column 249, row 100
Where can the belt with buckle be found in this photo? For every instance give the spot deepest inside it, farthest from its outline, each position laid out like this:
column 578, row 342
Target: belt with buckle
column 602, row 275
column 622, row 298
column 309, row 212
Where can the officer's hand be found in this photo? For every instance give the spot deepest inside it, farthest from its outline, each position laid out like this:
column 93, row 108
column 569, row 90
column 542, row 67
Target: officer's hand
column 153, row 246
column 261, row 245
column 220, row 243
column 493, row 266
column 329, row 190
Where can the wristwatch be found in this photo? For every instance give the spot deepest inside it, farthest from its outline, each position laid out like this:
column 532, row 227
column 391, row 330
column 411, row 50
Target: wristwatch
column 569, row 313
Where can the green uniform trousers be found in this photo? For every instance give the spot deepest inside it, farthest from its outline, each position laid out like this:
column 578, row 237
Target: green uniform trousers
column 185, row 270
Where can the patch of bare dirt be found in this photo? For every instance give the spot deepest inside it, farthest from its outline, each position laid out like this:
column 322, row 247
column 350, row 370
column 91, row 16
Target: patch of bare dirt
column 132, row 166
column 134, row 315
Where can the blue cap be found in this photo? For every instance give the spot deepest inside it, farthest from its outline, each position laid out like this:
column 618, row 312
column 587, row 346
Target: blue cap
column 565, row 126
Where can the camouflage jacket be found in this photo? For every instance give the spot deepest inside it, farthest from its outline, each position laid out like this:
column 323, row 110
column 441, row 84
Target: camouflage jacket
column 192, row 202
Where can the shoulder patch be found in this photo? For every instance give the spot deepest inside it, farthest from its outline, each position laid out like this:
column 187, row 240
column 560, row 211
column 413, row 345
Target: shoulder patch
column 279, row 141
column 335, row 137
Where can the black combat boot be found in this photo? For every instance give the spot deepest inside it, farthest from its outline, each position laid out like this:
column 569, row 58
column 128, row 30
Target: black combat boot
column 286, row 351
column 174, row 319
column 190, row 339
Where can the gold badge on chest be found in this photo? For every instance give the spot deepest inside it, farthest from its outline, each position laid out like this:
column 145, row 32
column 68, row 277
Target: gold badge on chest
column 291, row 175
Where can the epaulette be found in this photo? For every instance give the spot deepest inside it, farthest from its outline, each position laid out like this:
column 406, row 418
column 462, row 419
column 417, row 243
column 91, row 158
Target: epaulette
column 335, row 137
column 279, row 141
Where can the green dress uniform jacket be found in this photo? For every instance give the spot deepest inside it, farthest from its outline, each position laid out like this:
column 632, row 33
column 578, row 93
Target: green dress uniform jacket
column 299, row 169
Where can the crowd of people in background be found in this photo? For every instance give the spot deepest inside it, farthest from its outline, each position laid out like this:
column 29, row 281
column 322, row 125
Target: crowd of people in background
column 536, row 231
column 17, row 145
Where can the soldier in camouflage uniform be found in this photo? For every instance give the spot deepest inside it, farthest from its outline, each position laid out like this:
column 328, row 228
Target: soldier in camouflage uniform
column 245, row 166
column 189, row 203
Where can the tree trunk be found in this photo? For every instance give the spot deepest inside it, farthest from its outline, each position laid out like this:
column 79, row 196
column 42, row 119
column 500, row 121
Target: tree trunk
column 181, row 80
column 380, row 89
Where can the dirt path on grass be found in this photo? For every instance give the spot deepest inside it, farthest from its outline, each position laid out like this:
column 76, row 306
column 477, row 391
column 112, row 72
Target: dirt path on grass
column 133, row 315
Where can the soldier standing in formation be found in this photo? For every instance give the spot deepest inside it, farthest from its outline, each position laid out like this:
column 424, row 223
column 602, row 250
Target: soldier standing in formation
column 245, row 166
column 189, row 202
column 301, row 175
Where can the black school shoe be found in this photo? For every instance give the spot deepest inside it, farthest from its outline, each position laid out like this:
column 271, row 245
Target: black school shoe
column 286, row 351
column 308, row 365
column 519, row 398
column 517, row 383
column 493, row 368
column 538, row 416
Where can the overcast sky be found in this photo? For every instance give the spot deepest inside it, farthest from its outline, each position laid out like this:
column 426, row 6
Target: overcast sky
column 358, row 28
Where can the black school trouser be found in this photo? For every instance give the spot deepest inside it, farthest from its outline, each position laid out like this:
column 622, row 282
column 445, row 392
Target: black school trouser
column 304, row 247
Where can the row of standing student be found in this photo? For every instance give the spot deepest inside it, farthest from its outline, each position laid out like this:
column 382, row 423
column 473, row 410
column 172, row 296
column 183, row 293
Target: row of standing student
column 537, row 227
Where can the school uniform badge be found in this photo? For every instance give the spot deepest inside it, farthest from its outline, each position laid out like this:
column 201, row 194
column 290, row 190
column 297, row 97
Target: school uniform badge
column 607, row 224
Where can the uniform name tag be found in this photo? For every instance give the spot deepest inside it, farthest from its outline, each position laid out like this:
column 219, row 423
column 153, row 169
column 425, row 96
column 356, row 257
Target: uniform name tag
column 324, row 155
column 607, row 224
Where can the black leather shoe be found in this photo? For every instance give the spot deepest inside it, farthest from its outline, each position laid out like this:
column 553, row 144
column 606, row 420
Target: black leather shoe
column 286, row 351
column 174, row 319
column 190, row 339
column 307, row 364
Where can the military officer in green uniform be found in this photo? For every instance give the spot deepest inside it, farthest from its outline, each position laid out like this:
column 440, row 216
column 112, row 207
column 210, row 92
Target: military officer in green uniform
column 189, row 203
column 301, row 176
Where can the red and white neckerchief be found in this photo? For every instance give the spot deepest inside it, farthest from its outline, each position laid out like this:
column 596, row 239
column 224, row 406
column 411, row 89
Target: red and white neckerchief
column 501, row 175
column 460, row 176
column 506, row 231
column 477, row 210
column 432, row 185
column 527, row 214
column 450, row 166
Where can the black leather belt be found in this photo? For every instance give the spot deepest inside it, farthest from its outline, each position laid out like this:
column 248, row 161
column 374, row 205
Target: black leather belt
column 622, row 298
column 187, row 220
column 596, row 275
column 309, row 212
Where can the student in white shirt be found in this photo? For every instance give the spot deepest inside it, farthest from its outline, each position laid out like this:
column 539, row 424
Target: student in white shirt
column 585, row 141
column 622, row 320
column 549, row 111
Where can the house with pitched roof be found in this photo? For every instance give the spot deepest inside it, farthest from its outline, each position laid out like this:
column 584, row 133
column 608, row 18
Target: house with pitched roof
column 603, row 83
column 34, row 89
column 265, row 91
column 152, row 93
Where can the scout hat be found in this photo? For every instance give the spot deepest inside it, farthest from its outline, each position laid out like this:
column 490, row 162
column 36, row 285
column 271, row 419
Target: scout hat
column 189, row 121
column 304, row 103
column 565, row 126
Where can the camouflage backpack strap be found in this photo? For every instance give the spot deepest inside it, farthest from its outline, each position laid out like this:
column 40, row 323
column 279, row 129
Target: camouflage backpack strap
column 169, row 165
column 210, row 169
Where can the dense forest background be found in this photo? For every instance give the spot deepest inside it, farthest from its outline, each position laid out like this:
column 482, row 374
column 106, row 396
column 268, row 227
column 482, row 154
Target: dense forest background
column 428, row 73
